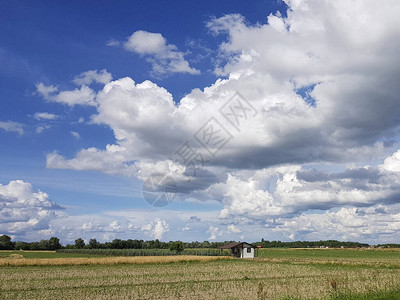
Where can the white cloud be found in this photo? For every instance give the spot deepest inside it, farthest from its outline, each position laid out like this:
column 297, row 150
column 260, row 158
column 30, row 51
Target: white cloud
column 23, row 211
column 186, row 228
column 82, row 96
column 113, row 43
column 244, row 198
column 226, row 23
column 88, row 77
column 156, row 229
column 391, row 163
column 46, row 91
column 45, row 116
column 214, row 232
column 165, row 58
column 99, row 226
column 233, row 229
column 11, row 126
column 40, row 129
column 342, row 56
column 293, row 189
column 114, row 226
column 111, row 161
column 348, row 223
column 104, row 225
column 78, row 96
column 144, row 42
column 76, row 135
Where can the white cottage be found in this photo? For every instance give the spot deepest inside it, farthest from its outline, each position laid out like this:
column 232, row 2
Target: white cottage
column 240, row 249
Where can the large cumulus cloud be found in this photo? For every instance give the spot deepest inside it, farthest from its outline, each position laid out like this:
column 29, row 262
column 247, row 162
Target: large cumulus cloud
column 323, row 85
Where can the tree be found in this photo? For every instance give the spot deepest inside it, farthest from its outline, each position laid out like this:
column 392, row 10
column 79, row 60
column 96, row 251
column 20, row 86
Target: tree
column 44, row 245
column 117, row 244
column 93, row 244
column 176, row 246
column 79, row 243
column 5, row 243
column 22, row 246
column 157, row 244
column 54, row 244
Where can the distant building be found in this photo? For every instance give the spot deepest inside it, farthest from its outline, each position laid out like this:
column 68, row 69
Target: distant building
column 240, row 249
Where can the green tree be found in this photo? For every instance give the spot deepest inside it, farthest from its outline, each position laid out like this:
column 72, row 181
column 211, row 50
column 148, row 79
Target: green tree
column 54, row 244
column 5, row 243
column 79, row 243
column 43, row 245
column 22, row 246
column 117, row 244
column 176, row 246
column 93, row 244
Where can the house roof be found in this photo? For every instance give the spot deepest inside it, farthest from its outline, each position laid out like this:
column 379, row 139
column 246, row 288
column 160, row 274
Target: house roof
column 235, row 244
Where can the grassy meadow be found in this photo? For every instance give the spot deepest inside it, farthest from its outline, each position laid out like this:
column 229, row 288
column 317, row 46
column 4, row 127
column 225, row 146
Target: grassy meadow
column 276, row 274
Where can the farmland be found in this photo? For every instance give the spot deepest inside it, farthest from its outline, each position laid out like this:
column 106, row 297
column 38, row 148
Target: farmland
column 276, row 274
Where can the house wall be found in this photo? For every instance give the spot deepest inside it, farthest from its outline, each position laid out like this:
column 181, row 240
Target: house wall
column 248, row 255
column 240, row 251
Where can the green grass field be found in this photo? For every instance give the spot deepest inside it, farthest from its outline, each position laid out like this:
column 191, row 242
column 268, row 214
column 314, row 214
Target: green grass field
column 330, row 253
column 277, row 274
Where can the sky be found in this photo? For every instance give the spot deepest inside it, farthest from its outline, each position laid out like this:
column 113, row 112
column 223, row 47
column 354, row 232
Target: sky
column 200, row 120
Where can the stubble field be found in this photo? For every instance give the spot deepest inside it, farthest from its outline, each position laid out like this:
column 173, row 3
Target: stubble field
column 276, row 274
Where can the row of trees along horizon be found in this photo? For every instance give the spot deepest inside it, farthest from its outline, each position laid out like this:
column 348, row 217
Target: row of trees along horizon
column 54, row 244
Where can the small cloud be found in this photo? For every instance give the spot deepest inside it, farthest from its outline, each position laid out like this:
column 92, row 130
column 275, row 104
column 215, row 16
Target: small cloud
column 76, row 135
column 45, row 116
column 214, row 232
column 81, row 120
column 194, row 219
column 156, row 229
column 11, row 126
column 82, row 96
column 165, row 58
column 114, row 226
column 88, row 77
column 225, row 23
column 46, row 91
column 186, row 228
column 233, row 229
column 113, row 43
column 40, row 129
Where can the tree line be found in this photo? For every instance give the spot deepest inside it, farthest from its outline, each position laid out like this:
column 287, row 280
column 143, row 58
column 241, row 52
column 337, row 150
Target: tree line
column 308, row 244
column 54, row 244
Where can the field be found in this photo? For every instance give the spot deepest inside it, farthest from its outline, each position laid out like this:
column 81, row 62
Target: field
column 146, row 252
column 276, row 274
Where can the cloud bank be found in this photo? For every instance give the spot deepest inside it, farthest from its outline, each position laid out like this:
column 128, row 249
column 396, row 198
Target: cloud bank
column 322, row 87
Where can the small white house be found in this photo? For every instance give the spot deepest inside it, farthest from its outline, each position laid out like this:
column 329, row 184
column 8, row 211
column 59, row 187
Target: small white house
column 240, row 249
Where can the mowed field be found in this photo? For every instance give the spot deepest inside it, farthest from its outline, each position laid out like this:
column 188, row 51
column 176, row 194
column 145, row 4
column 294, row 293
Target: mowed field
column 276, row 274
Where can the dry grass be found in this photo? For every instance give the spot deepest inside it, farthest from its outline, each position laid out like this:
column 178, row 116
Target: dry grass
column 209, row 279
column 178, row 277
column 19, row 260
column 30, row 251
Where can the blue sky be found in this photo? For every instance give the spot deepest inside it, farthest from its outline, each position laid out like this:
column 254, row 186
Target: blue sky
column 97, row 97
